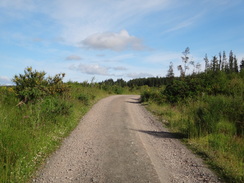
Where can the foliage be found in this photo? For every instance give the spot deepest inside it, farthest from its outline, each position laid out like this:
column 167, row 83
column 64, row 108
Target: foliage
column 208, row 109
column 28, row 134
column 170, row 73
column 32, row 85
column 152, row 95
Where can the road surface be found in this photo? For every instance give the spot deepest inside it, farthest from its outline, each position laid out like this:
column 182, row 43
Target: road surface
column 118, row 141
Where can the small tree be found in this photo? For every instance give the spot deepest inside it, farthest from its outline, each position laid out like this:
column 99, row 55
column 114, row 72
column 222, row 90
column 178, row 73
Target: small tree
column 242, row 65
column 220, row 61
column 231, row 61
column 207, row 66
column 215, row 64
column 185, row 59
column 182, row 73
column 235, row 69
column 170, row 73
column 225, row 65
column 33, row 85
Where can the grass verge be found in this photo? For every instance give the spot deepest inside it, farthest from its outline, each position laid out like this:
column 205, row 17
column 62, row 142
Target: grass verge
column 29, row 133
column 221, row 149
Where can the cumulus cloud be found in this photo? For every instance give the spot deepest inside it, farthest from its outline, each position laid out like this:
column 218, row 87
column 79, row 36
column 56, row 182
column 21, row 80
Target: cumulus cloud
column 92, row 69
column 73, row 57
column 139, row 75
column 80, row 19
column 4, row 80
column 119, row 68
column 113, row 41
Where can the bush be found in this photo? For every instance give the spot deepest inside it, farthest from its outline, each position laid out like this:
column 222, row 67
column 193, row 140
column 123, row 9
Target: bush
column 53, row 106
column 154, row 95
column 177, row 91
column 209, row 113
column 84, row 98
column 32, row 85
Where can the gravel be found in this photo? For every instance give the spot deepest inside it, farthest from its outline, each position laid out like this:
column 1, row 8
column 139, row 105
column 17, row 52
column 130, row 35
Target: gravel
column 118, row 140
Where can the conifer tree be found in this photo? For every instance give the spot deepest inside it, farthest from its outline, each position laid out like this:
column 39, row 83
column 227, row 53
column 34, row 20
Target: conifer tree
column 215, row 64
column 242, row 65
column 220, row 61
column 206, row 63
column 231, row 61
column 170, row 73
column 235, row 64
column 225, row 65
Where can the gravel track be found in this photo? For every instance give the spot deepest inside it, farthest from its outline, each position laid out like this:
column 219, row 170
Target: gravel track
column 119, row 141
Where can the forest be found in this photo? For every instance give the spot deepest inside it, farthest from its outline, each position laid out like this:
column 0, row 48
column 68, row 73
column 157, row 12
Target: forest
column 205, row 108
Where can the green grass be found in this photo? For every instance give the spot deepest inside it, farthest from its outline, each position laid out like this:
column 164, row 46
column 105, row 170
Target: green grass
column 29, row 133
column 212, row 130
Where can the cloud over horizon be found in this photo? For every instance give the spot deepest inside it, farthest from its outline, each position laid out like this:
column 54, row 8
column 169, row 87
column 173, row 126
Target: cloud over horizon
column 91, row 69
column 113, row 41
column 4, row 80
column 73, row 57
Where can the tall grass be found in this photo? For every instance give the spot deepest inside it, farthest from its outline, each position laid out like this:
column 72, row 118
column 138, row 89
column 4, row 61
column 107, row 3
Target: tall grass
column 30, row 132
column 213, row 126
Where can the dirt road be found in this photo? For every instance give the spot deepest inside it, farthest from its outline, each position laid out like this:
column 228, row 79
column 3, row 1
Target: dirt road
column 118, row 141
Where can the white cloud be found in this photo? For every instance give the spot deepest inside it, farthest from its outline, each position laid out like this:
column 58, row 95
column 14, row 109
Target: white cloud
column 96, row 69
column 17, row 4
column 4, row 80
column 139, row 75
column 184, row 23
column 113, row 41
column 79, row 19
column 73, row 57
column 119, row 68
column 92, row 69
column 75, row 20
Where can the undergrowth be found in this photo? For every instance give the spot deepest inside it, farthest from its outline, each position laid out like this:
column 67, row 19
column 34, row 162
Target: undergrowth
column 213, row 130
column 30, row 132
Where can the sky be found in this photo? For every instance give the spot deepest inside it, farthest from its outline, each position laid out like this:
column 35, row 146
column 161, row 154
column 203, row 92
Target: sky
column 103, row 39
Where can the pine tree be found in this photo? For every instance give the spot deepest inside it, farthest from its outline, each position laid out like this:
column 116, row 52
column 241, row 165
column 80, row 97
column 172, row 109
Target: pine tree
column 206, row 63
column 170, row 73
column 242, row 65
column 215, row 64
column 231, row 61
column 235, row 65
column 220, row 61
column 225, row 65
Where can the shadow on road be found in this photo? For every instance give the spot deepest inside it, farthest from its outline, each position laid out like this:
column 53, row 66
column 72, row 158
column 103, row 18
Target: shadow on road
column 162, row 134
column 134, row 101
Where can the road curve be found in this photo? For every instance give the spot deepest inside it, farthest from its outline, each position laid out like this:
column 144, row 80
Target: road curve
column 118, row 141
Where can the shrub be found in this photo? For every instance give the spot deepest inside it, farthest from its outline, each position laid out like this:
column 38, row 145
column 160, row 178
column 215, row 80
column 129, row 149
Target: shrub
column 177, row 91
column 212, row 112
column 154, row 95
column 53, row 106
column 32, row 85
column 84, row 98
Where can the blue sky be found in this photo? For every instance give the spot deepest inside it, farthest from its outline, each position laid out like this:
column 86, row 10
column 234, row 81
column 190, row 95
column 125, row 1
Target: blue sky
column 114, row 39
